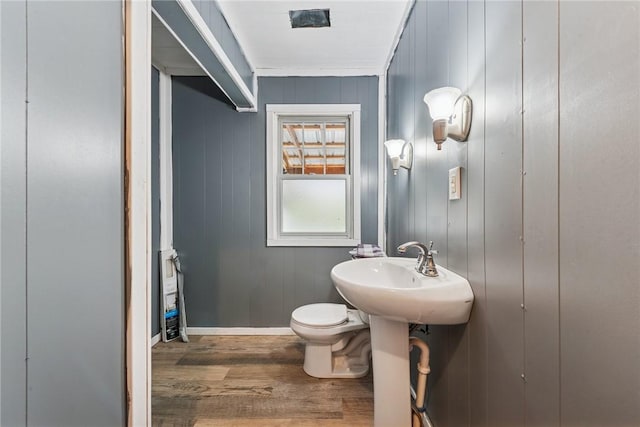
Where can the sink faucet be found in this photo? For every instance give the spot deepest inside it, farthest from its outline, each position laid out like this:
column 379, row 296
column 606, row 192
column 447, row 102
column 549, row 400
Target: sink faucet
column 425, row 264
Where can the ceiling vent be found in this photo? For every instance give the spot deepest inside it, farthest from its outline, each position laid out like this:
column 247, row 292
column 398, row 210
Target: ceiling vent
column 310, row 18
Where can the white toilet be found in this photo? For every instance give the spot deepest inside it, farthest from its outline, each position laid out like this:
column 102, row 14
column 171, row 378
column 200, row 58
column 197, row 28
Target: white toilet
column 338, row 340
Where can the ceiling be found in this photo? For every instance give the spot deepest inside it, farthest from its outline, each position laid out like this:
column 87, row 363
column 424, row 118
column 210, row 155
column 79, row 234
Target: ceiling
column 359, row 41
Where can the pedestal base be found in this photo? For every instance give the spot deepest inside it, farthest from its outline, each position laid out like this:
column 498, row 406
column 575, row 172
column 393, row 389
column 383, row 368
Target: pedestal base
column 391, row 381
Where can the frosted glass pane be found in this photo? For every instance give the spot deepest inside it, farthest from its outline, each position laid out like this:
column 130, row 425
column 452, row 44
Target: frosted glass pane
column 314, row 206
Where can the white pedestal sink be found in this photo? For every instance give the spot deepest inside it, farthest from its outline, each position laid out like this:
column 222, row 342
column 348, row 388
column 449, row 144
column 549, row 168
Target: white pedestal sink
column 394, row 294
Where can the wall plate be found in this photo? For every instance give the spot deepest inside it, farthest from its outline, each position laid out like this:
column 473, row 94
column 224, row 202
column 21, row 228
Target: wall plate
column 454, row 183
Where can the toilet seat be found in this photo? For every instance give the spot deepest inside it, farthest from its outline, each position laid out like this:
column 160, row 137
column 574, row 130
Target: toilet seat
column 320, row 315
column 310, row 314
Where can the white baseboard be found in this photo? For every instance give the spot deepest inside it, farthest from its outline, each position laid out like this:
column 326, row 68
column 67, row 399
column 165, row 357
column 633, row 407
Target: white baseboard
column 240, row 331
column 155, row 339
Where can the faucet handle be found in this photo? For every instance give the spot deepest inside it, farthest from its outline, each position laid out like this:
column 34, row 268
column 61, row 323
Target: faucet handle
column 430, row 267
column 430, row 250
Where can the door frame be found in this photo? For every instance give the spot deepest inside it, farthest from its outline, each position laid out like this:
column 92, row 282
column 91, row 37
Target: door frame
column 137, row 214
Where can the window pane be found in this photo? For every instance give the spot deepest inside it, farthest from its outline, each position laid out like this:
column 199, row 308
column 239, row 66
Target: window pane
column 313, row 149
column 314, row 206
column 291, row 149
column 336, row 148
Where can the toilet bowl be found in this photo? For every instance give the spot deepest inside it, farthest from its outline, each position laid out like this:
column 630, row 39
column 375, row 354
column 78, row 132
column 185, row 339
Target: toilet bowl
column 338, row 342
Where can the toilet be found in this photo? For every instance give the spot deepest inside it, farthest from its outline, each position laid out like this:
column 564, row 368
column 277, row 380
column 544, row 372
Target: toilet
column 338, row 342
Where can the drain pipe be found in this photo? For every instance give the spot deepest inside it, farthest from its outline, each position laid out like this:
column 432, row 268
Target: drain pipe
column 423, row 371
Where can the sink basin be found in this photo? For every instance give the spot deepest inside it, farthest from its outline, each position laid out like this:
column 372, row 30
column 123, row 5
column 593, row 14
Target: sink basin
column 393, row 289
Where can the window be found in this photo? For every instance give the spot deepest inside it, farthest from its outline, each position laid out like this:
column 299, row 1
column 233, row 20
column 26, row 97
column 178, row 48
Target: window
column 313, row 168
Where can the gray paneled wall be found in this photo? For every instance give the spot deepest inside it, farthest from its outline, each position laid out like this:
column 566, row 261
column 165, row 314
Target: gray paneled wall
column 13, row 222
column 540, row 214
column 231, row 277
column 599, row 96
column 542, row 222
column 477, row 329
column 503, row 212
column 62, row 214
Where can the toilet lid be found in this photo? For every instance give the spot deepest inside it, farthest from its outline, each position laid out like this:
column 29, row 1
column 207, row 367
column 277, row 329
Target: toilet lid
column 320, row 314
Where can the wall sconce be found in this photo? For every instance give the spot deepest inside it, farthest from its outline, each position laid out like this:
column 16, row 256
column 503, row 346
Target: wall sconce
column 451, row 114
column 400, row 153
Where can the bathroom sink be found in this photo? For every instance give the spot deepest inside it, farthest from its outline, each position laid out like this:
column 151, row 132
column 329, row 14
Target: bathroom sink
column 393, row 289
column 395, row 294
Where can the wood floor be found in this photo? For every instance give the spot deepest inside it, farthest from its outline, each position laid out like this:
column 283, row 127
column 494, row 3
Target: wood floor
column 250, row 381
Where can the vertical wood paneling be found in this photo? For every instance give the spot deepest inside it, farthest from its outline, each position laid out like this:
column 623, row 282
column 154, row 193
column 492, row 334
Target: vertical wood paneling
column 599, row 211
column 190, row 177
column 456, row 59
column 231, row 278
column 241, row 203
column 392, row 221
column 408, row 126
column 438, row 45
column 458, row 340
column 477, row 327
column 421, row 128
column 540, row 213
column 75, row 226
column 404, row 131
column 275, row 291
column 437, row 76
column 214, row 183
column 503, row 208
column 576, row 89
column 369, row 155
column 457, row 151
column 231, row 246
column 13, row 219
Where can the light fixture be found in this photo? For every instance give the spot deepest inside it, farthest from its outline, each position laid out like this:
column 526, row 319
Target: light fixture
column 451, row 114
column 400, row 153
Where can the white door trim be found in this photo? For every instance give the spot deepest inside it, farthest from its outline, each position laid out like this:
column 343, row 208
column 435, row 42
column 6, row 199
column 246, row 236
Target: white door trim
column 137, row 210
column 166, row 163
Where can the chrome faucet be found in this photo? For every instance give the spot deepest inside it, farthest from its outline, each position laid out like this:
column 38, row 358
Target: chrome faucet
column 425, row 264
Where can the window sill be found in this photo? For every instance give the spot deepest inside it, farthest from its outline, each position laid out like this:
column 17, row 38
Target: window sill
column 314, row 242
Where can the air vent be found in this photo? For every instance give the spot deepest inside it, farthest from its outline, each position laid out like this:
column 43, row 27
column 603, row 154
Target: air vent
column 310, row 18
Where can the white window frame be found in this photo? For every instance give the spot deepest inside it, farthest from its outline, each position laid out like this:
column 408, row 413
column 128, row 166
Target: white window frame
column 274, row 113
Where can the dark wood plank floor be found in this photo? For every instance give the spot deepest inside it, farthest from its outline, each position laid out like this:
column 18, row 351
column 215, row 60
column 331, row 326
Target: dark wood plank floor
column 251, row 381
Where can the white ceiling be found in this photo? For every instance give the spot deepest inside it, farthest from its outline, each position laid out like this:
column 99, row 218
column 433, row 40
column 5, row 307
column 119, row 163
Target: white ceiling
column 359, row 41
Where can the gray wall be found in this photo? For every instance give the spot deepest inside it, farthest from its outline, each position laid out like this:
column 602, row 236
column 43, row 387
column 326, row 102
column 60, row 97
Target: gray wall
column 542, row 221
column 231, row 277
column 13, row 222
column 62, row 214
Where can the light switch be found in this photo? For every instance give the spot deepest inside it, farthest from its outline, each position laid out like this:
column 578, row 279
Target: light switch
column 454, row 183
